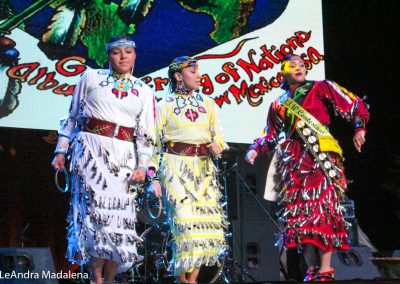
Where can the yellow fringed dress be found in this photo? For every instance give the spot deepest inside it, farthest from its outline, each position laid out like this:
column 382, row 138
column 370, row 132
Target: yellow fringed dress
column 196, row 218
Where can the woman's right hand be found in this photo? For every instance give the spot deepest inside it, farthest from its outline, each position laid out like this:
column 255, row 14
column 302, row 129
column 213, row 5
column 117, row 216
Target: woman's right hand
column 251, row 156
column 155, row 188
column 58, row 162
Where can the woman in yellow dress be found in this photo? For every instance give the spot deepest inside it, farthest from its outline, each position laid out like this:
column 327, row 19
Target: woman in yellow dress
column 189, row 135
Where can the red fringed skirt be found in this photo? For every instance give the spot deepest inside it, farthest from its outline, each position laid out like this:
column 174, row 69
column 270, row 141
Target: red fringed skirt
column 310, row 201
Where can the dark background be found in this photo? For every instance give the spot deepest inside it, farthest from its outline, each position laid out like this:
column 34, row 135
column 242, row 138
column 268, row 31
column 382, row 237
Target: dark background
column 361, row 53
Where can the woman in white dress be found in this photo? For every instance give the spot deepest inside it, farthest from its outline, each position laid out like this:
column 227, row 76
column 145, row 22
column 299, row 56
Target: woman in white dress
column 108, row 108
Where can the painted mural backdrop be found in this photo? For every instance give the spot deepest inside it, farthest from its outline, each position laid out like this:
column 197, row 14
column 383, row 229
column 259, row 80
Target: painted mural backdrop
column 45, row 46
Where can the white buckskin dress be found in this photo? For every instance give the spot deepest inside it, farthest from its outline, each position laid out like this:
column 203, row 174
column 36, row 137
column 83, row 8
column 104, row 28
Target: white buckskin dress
column 102, row 216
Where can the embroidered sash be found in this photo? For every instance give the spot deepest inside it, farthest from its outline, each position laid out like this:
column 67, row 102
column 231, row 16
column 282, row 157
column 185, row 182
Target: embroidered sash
column 326, row 141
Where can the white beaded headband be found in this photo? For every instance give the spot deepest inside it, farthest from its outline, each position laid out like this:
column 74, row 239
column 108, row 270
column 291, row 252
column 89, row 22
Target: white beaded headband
column 120, row 43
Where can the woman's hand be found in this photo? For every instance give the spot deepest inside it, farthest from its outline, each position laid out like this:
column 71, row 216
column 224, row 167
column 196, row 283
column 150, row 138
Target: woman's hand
column 214, row 149
column 139, row 175
column 251, row 156
column 58, row 162
column 155, row 188
column 359, row 140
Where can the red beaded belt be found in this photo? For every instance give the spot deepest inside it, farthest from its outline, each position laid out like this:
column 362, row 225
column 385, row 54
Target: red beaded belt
column 109, row 129
column 184, row 149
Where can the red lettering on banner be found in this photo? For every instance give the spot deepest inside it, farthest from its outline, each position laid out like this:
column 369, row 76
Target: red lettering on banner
column 23, row 71
column 279, row 78
column 159, row 82
column 294, row 42
column 241, row 70
column 298, row 39
column 263, row 85
column 222, row 78
column 64, row 89
column 286, row 49
column 268, row 53
column 222, row 99
column 17, row 72
column 314, row 55
column 49, row 82
column 246, row 66
column 307, row 62
column 63, row 69
column 253, row 97
column 207, row 85
column 239, row 93
column 303, row 36
column 228, row 67
column 41, row 72
column 274, row 82
column 265, row 64
column 254, row 92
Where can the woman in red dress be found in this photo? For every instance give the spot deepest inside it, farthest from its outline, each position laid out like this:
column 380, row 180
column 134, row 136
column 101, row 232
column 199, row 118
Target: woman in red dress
column 312, row 181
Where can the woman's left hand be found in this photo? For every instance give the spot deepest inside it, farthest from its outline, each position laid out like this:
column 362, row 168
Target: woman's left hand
column 139, row 175
column 359, row 140
column 214, row 149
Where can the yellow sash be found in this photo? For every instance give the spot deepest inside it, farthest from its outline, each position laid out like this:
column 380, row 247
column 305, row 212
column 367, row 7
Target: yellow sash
column 329, row 144
column 326, row 141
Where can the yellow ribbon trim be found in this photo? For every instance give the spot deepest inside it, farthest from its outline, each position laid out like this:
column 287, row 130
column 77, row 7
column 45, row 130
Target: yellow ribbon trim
column 198, row 219
column 200, row 236
column 188, row 254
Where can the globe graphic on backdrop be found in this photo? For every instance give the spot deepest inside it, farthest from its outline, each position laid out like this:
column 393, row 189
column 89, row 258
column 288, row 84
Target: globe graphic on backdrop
column 162, row 29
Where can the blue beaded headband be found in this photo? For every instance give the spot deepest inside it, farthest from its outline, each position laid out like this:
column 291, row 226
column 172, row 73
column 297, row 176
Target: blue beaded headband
column 120, row 43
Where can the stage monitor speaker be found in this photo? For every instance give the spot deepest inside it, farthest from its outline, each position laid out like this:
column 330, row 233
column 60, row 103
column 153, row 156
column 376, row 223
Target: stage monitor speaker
column 354, row 264
column 26, row 265
column 255, row 255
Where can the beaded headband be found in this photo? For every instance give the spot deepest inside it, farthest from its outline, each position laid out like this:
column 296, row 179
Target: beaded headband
column 177, row 66
column 120, row 43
